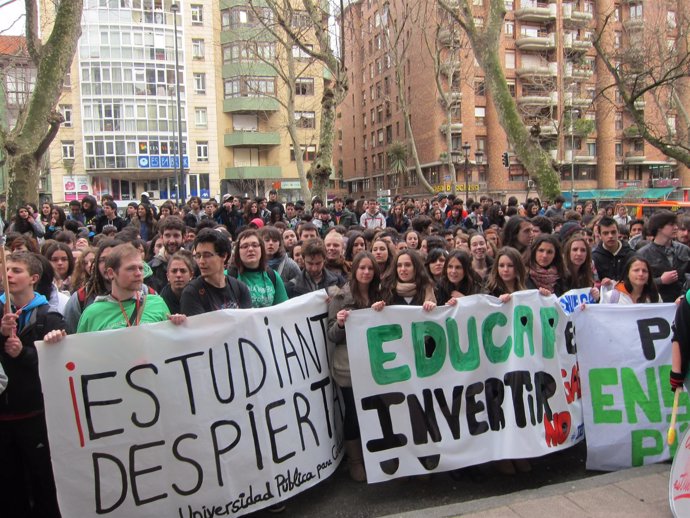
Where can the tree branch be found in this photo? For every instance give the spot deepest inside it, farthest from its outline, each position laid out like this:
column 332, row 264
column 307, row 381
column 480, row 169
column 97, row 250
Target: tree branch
column 54, row 121
column 33, row 44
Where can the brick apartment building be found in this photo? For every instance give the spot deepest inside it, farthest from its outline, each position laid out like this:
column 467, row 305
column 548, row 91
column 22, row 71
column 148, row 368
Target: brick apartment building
column 557, row 81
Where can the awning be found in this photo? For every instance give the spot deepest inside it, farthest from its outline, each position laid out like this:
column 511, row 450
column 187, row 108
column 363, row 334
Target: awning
column 659, row 193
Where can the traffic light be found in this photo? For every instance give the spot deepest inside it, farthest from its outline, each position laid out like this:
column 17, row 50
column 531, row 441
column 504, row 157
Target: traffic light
column 506, row 159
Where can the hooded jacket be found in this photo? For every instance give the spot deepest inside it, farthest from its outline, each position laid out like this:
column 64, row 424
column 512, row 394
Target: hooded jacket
column 23, row 394
column 609, row 265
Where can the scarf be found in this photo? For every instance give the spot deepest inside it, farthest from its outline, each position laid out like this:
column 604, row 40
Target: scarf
column 544, row 277
column 406, row 289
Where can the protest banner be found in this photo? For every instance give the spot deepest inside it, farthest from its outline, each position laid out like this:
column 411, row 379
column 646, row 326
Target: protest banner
column 229, row 413
column 572, row 299
column 462, row 385
column 624, row 353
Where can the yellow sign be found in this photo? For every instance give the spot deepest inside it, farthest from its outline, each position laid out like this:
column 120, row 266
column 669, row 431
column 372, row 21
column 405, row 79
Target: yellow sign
column 473, row 187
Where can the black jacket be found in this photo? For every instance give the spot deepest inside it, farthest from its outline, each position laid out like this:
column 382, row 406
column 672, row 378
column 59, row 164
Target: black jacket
column 665, row 259
column 609, row 265
column 23, row 393
column 159, row 279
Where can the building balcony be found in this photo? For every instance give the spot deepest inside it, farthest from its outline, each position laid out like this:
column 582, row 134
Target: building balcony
column 634, row 157
column 547, row 128
column 572, row 17
column 245, row 34
column 253, row 68
column 540, row 12
column 250, row 104
column 448, row 37
column 575, row 101
column 538, row 100
column 455, row 127
column 251, row 138
column 538, row 72
column 585, row 159
column 634, row 24
column 541, row 42
column 582, row 74
column 252, row 172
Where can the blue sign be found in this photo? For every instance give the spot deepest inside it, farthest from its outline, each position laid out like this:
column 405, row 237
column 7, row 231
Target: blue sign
column 162, row 161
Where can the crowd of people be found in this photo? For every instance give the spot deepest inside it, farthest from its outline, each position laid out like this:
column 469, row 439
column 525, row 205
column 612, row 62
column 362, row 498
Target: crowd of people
column 90, row 269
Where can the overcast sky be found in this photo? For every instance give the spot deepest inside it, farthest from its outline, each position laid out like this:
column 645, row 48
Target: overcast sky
column 11, row 13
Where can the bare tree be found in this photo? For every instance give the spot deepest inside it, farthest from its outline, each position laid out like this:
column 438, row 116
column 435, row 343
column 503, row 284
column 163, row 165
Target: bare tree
column 335, row 83
column 38, row 122
column 485, row 44
column 652, row 71
column 449, row 50
column 398, row 19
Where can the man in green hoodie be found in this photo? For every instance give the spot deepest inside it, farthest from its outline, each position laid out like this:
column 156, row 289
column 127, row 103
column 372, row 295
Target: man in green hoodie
column 27, row 487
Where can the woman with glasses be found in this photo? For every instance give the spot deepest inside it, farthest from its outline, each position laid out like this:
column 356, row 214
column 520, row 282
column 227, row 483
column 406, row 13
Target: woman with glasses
column 266, row 288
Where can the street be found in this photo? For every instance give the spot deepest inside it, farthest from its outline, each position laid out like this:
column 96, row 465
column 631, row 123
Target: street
column 339, row 497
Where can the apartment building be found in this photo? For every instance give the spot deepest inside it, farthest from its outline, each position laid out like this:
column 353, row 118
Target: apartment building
column 123, row 126
column 563, row 94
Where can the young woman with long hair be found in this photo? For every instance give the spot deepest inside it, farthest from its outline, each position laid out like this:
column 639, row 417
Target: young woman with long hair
column 57, row 222
column 361, row 291
column 384, row 253
column 578, row 266
column 507, row 274
column 355, row 244
column 145, row 222
column 61, row 257
column 637, row 286
column 24, row 223
column 397, row 219
column 83, row 268
column 481, row 261
column 544, row 264
column 408, row 284
column 276, row 255
column 434, row 262
column 517, row 233
column 458, row 279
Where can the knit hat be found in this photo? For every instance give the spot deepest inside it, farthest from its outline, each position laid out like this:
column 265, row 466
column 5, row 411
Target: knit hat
column 568, row 229
column 258, row 222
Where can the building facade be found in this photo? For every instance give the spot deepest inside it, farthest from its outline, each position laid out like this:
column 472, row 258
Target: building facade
column 123, row 126
column 563, row 93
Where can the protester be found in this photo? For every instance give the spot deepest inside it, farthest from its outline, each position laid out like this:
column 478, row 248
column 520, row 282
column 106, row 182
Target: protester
column 636, row 287
column 315, row 276
column 171, row 230
column 408, row 284
column 481, row 262
column 667, row 258
column 458, row 278
column 517, row 233
column 265, row 286
column 355, row 244
column 507, row 274
column 27, row 487
column 544, row 265
column 384, row 255
column 372, row 218
column 277, row 257
column 611, row 254
column 24, row 223
column 180, row 273
column 61, row 257
column 434, row 263
column 360, row 292
column 214, row 289
column 577, row 259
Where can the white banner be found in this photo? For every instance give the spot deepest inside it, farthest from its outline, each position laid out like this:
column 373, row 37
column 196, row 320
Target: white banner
column 624, row 354
column 225, row 415
column 462, row 385
column 573, row 299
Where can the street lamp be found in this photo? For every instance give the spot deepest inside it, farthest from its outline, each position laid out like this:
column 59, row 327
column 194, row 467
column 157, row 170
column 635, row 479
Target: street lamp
column 466, row 150
column 181, row 191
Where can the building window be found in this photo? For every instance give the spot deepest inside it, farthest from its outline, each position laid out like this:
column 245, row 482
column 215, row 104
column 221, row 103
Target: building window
column 305, row 120
column 480, row 88
column 200, row 117
column 635, row 11
column 308, row 153
column 197, row 48
column 591, row 149
column 299, row 53
column 197, row 13
column 671, row 19
column 617, row 13
column 66, row 111
column 479, row 115
column 511, row 87
column 510, row 5
column 509, row 28
column 619, row 121
column 619, row 150
column 202, row 151
column 510, row 59
column 199, row 83
column 305, row 86
column 68, row 149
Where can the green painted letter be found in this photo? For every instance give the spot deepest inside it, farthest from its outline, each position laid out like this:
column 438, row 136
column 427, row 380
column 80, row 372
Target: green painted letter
column 460, row 360
column 549, row 322
column 520, row 329
column 428, row 365
column 597, row 379
column 376, row 336
column 495, row 353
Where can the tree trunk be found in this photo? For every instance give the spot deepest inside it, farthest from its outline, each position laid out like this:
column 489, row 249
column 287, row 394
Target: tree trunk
column 38, row 124
column 485, row 45
column 322, row 167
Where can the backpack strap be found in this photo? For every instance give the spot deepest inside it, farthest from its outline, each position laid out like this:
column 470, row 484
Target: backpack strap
column 81, row 297
column 271, row 275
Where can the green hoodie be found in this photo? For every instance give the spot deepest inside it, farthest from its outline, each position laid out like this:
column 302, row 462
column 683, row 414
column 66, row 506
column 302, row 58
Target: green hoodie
column 106, row 313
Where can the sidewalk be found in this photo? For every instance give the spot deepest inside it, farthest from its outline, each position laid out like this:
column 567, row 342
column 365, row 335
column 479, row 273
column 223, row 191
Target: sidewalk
column 632, row 493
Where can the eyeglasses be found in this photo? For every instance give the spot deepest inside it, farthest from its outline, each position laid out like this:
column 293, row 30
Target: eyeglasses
column 205, row 256
column 244, row 246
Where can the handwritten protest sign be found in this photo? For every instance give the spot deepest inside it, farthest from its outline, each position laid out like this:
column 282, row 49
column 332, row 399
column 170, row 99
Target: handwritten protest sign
column 624, row 354
column 572, row 299
column 232, row 412
column 462, row 385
